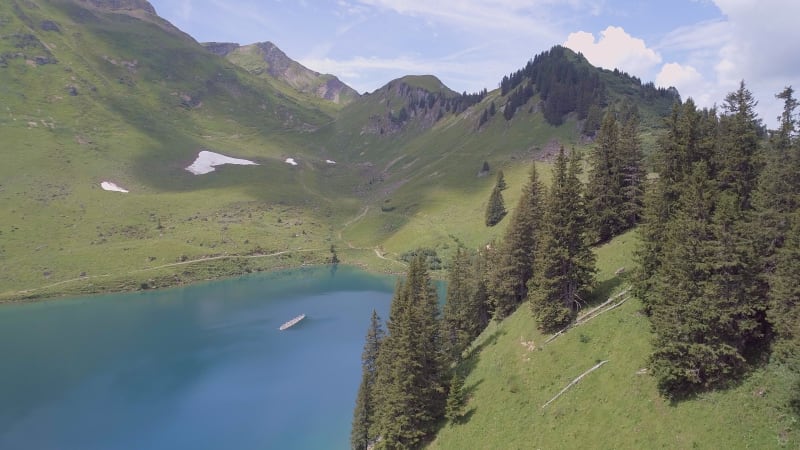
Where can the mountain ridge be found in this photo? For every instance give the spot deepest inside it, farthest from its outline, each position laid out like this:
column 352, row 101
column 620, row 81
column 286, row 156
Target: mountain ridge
column 266, row 59
column 144, row 100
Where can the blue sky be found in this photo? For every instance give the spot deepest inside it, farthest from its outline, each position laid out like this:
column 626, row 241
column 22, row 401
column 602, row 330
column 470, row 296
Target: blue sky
column 703, row 47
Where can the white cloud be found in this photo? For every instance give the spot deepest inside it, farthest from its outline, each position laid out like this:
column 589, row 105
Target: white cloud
column 754, row 40
column 529, row 18
column 704, row 35
column 674, row 74
column 688, row 81
column 615, row 49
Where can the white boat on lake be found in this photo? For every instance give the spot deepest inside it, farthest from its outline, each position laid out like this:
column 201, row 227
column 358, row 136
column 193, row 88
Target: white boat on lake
column 292, row 322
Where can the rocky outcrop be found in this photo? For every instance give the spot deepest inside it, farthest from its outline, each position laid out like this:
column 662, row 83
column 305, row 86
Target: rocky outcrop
column 302, row 78
column 279, row 66
column 408, row 101
column 220, row 48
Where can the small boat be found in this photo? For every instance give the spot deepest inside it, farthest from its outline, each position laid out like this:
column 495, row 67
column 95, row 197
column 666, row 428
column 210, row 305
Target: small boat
column 292, row 322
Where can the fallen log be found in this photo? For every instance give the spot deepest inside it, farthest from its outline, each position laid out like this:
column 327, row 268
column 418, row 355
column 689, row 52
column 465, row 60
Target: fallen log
column 574, row 382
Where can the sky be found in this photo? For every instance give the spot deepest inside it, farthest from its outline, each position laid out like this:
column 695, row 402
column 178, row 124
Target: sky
column 702, row 47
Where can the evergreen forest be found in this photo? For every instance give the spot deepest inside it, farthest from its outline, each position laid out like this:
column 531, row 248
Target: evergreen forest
column 717, row 262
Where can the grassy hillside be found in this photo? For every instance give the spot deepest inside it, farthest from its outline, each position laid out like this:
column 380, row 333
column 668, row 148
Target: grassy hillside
column 269, row 63
column 512, row 373
column 92, row 94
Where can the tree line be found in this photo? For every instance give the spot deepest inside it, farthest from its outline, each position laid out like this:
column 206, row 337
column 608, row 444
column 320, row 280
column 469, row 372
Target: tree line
column 718, row 264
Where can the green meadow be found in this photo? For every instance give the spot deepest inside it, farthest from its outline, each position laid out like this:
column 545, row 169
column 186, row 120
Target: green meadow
column 512, row 372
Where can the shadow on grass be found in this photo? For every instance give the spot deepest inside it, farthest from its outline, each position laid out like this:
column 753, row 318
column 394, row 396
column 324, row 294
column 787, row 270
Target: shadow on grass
column 468, row 364
column 606, row 288
column 464, row 368
column 465, row 418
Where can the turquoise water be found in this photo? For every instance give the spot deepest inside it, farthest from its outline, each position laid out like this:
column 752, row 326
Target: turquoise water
column 201, row 367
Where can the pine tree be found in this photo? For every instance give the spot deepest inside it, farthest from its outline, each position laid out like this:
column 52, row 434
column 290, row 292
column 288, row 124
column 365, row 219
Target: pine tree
column 680, row 313
column 509, row 277
column 778, row 193
column 702, row 290
column 736, row 162
column 604, row 191
column 409, row 384
column 480, row 294
column 565, row 266
column 496, row 209
column 632, row 172
column 784, row 299
column 454, row 409
column 690, row 137
column 594, row 119
column 459, row 321
column 778, row 204
column 501, row 181
column 363, row 415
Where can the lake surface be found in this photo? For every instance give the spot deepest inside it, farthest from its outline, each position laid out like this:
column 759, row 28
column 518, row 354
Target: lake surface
column 201, row 367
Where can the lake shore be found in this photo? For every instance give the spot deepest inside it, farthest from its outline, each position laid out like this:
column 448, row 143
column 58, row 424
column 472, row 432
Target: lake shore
column 185, row 273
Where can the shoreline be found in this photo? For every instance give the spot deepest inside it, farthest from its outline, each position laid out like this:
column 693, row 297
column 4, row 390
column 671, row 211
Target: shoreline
column 170, row 278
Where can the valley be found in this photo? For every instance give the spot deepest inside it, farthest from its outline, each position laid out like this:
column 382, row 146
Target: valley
column 135, row 159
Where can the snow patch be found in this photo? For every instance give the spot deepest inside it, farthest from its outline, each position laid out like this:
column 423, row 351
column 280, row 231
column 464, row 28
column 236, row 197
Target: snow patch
column 109, row 186
column 206, row 161
column 291, row 161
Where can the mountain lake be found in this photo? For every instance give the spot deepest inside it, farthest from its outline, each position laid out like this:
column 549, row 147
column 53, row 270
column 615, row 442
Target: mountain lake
column 197, row 367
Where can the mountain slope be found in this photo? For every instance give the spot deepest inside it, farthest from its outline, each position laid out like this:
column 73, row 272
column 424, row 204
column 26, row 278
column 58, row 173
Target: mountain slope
column 108, row 91
column 94, row 94
column 265, row 59
column 513, row 372
column 425, row 179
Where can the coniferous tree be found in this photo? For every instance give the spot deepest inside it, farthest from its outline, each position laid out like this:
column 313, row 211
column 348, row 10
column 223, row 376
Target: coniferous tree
column 409, row 395
column 461, row 319
column 689, row 138
column 632, row 172
column 501, row 181
column 736, row 160
column 363, row 415
column 508, row 281
column 778, row 204
column 454, row 408
column 594, row 118
column 565, row 265
column 480, row 294
column 679, row 311
column 700, row 267
column 784, row 299
column 604, row 191
column 778, row 193
column 615, row 192
column 496, row 209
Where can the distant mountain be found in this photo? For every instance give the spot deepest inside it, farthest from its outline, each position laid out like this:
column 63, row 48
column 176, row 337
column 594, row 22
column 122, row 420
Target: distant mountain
column 266, row 59
column 100, row 91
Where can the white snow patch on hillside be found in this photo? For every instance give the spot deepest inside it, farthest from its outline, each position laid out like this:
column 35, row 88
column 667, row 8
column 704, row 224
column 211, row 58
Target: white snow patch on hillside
column 206, row 161
column 109, row 186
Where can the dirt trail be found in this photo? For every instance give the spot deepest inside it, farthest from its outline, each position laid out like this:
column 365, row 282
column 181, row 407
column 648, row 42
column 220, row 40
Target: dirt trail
column 164, row 266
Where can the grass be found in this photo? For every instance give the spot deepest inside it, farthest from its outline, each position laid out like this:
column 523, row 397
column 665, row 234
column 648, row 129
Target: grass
column 148, row 100
column 616, row 406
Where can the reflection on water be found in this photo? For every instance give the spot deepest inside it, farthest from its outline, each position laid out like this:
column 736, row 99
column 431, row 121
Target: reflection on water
column 197, row 367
